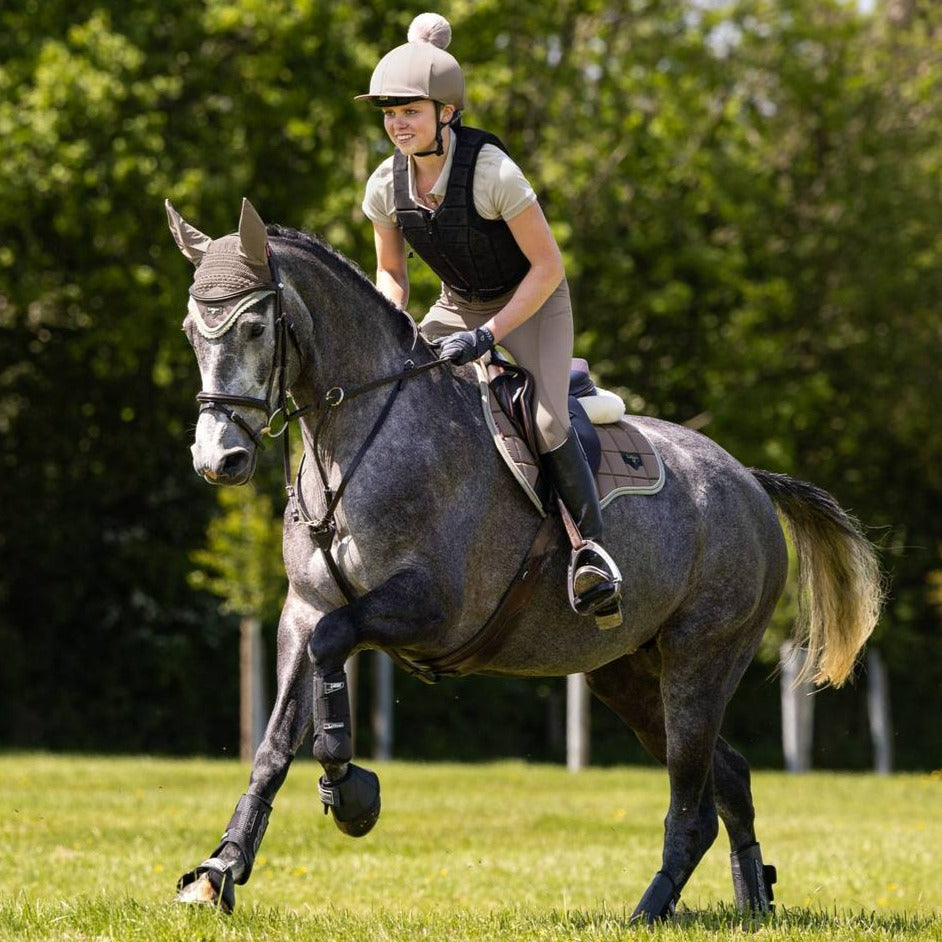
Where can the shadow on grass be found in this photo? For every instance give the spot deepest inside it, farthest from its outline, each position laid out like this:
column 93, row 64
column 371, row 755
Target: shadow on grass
column 724, row 920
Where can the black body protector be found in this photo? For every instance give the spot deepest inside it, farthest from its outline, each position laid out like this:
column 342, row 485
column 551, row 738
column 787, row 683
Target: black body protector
column 477, row 258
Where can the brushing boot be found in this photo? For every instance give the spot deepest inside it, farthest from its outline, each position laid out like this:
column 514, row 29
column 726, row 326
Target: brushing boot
column 753, row 880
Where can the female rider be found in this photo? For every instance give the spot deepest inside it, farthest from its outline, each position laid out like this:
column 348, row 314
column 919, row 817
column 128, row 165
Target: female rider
column 467, row 210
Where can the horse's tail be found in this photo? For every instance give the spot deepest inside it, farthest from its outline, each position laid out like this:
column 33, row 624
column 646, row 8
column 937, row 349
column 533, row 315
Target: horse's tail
column 840, row 586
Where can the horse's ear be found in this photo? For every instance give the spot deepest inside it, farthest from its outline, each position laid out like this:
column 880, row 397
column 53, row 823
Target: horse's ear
column 252, row 236
column 193, row 243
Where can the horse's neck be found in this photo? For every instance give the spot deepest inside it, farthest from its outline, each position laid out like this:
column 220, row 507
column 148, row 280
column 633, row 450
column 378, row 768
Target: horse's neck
column 349, row 338
column 354, row 338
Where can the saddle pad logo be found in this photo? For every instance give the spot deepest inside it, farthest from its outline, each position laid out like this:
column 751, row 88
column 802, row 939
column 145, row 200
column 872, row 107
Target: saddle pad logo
column 632, row 459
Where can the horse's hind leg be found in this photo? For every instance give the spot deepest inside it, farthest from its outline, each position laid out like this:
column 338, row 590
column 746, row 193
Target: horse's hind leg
column 752, row 880
column 213, row 881
column 631, row 688
column 693, row 709
column 678, row 725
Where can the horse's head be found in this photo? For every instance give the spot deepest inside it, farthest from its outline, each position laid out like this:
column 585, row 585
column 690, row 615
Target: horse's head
column 239, row 336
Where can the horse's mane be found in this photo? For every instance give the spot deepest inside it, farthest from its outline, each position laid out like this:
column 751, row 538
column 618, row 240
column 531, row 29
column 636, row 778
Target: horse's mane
column 329, row 256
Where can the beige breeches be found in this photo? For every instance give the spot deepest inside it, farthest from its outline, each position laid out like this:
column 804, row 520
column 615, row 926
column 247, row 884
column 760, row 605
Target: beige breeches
column 542, row 344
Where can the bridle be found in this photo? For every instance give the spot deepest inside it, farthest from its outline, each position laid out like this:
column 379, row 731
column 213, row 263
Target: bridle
column 284, row 329
column 279, row 419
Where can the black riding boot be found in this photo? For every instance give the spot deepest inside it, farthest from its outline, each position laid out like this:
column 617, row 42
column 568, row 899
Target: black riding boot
column 594, row 577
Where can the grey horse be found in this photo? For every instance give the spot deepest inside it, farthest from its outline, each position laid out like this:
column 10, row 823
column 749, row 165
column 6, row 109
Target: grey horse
column 404, row 530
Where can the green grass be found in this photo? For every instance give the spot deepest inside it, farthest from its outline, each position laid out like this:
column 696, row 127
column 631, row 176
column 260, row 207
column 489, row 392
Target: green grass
column 90, row 849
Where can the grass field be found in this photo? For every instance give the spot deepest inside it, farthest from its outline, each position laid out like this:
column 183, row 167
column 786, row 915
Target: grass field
column 90, row 850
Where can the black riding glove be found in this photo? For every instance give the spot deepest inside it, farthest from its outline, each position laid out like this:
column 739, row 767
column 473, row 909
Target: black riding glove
column 466, row 345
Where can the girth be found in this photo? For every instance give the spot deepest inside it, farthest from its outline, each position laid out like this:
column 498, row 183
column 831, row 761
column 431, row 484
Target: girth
column 479, row 650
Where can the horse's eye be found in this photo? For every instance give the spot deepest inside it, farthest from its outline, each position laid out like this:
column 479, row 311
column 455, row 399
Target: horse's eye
column 256, row 330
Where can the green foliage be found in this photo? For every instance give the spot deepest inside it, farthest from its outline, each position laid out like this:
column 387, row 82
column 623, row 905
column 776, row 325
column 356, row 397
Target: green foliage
column 241, row 561
column 746, row 194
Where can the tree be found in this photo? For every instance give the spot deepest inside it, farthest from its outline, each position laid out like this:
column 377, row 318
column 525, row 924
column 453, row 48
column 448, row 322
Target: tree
column 745, row 196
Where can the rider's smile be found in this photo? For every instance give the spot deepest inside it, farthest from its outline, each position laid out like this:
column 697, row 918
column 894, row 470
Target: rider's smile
column 411, row 127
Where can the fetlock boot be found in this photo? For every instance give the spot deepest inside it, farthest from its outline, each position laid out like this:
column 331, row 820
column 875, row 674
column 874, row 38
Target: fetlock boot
column 594, row 577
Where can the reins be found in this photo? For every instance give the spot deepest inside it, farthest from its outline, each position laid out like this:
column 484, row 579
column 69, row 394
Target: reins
column 324, row 530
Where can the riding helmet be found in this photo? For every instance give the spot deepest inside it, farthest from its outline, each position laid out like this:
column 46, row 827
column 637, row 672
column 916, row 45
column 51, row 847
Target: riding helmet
column 419, row 69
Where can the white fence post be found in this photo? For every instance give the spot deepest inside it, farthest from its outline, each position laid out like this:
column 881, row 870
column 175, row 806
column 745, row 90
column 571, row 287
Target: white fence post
column 878, row 710
column 382, row 714
column 797, row 709
column 253, row 706
column 577, row 722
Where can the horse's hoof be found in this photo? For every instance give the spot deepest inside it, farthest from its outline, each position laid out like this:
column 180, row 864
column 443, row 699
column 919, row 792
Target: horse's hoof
column 659, row 901
column 210, row 884
column 353, row 800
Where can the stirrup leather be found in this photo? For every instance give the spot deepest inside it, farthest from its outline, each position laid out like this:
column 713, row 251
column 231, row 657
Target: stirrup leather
column 593, row 584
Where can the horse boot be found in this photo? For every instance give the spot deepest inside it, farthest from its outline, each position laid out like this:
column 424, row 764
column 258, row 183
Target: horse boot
column 752, row 880
column 213, row 881
column 594, row 578
column 353, row 796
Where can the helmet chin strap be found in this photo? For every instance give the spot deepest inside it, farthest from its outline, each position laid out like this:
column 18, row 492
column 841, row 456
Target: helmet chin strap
column 453, row 121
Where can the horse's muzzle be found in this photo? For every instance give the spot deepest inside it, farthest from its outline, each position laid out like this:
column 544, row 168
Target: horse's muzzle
column 230, row 467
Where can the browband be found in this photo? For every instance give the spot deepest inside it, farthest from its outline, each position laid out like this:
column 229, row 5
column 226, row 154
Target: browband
column 214, row 320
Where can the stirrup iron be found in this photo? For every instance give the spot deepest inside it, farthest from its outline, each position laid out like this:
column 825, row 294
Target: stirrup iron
column 594, row 585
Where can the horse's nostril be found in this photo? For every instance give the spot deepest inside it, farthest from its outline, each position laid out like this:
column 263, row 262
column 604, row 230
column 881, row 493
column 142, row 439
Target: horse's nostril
column 234, row 464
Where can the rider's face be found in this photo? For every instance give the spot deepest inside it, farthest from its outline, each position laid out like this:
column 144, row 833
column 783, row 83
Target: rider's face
column 411, row 127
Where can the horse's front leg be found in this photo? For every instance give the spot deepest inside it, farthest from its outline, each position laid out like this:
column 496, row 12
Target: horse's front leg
column 394, row 613
column 213, row 881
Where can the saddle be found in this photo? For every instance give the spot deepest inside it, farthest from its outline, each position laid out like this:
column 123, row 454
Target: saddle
column 622, row 458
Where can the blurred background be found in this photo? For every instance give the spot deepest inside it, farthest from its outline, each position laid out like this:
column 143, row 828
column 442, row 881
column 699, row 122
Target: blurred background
column 747, row 195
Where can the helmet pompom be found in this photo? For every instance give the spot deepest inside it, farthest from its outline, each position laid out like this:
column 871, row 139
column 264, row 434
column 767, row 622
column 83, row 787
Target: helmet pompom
column 430, row 28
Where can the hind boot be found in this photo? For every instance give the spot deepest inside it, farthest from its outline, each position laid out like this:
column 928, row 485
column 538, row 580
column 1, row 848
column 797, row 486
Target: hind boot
column 752, row 880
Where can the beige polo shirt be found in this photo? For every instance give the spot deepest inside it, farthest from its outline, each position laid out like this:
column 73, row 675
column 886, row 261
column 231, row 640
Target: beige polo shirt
column 501, row 191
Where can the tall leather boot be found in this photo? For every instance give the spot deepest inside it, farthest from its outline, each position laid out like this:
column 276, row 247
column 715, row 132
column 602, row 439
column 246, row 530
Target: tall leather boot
column 594, row 577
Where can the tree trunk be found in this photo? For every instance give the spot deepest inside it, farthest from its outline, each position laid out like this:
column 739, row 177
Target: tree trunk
column 382, row 714
column 352, row 669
